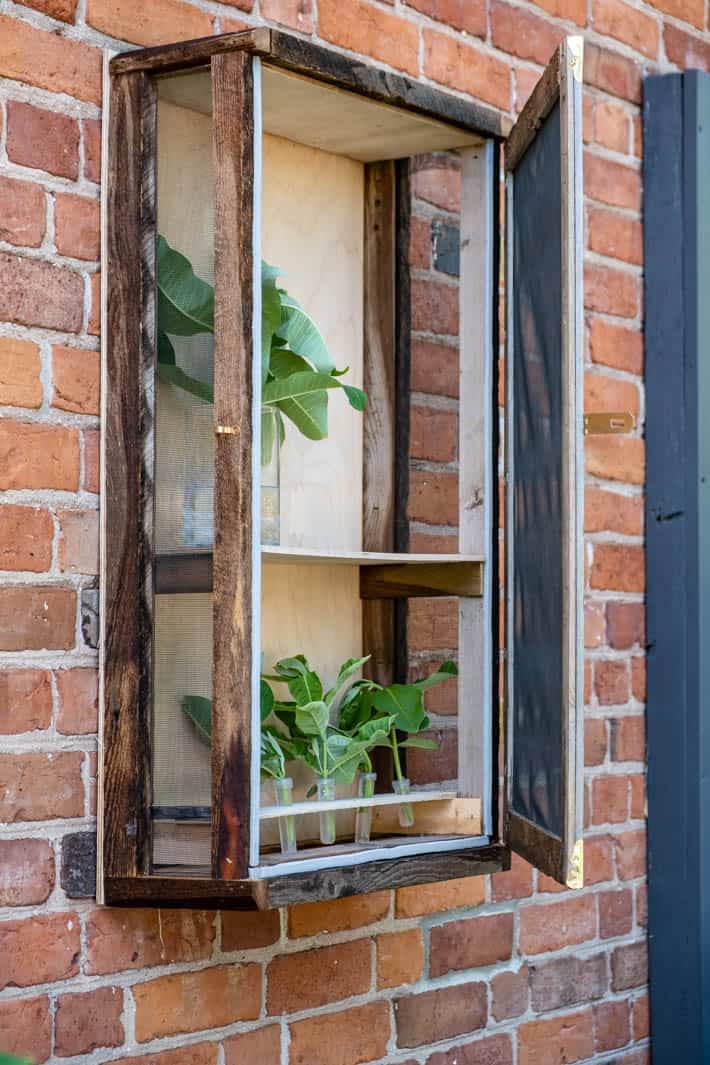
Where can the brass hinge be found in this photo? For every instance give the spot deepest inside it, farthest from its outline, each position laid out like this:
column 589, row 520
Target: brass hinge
column 575, row 876
column 602, row 424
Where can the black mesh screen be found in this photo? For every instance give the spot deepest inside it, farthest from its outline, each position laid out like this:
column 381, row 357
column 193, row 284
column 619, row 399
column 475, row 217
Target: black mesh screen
column 537, row 501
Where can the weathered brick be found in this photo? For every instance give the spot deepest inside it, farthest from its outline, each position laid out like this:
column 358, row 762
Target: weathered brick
column 612, row 681
column 91, row 460
column 79, row 541
column 514, row 883
column 692, row 11
column 628, row 739
column 49, row 60
column 567, row 981
column 420, row 243
column 400, row 958
column 557, row 1040
column 25, row 700
column 556, row 925
column 606, row 511
column 459, row 65
column 466, row 15
column 616, row 345
column 313, row 978
column 612, row 73
column 509, row 994
column 210, row 998
column 610, row 800
column 42, row 139
column 615, row 458
column 25, row 538
column 194, row 1054
column 432, row 898
column 603, row 393
column 627, row 24
column 37, row 619
column 59, row 9
column 431, row 767
column 518, row 32
column 642, row 905
column 297, row 14
column 249, row 931
column 491, row 1050
column 612, row 126
column 598, row 859
column 22, row 215
column 337, row 915
column 685, row 49
column 433, row 497
column 575, row 10
column 638, row 795
column 638, row 678
column 26, row 873
column 629, row 966
column 348, row 1037
column 136, row 939
column 76, row 226
column 26, row 1028
column 611, row 291
column 630, row 853
column 91, row 137
column 640, row 1017
column 441, row 1014
column 625, row 624
column 39, row 294
column 435, row 368
column 432, row 542
column 39, row 949
column 20, row 366
column 40, row 787
column 78, row 869
column 164, row 21
column 361, row 27
column 470, row 943
column 78, row 701
column 260, row 1047
column 618, row 568
column 76, row 378
column 94, row 324
column 595, row 741
column 594, row 624
column 615, row 914
column 433, row 434
column 88, row 1020
column 435, row 307
column 38, row 456
column 615, row 236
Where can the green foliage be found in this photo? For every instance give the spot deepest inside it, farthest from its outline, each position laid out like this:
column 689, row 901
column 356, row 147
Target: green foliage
column 11, row 1059
column 298, row 371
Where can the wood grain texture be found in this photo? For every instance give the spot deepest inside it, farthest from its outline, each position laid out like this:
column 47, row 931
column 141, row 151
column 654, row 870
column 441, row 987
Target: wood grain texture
column 538, row 106
column 303, row 57
column 129, row 346
column 406, row 582
column 233, row 91
column 177, row 890
column 443, row 817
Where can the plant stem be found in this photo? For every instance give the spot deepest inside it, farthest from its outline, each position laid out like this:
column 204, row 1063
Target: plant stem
column 395, row 755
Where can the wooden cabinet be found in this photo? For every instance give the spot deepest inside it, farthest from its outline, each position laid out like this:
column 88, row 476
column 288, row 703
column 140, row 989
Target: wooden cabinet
column 240, row 532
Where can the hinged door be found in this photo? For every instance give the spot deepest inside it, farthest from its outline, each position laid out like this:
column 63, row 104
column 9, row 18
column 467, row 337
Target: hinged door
column 545, row 473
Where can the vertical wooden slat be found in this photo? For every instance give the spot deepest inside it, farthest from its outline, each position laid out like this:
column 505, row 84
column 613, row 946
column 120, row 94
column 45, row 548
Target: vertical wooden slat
column 378, row 522
column 127, row 447
column 233, row 123
column 403, row 360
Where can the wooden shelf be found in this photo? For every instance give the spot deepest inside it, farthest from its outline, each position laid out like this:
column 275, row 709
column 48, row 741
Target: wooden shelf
column 383, row 575
column 315, row 806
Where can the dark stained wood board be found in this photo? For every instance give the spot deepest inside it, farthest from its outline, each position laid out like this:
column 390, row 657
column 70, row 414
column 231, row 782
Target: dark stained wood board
column 408, row 582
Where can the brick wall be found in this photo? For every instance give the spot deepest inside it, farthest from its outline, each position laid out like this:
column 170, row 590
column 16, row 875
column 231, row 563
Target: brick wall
column 492, row 971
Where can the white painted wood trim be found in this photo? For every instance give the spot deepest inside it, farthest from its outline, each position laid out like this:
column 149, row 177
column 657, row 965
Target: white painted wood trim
column 353, row 802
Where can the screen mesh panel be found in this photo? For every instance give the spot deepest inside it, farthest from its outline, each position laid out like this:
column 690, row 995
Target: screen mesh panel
column 537, row 502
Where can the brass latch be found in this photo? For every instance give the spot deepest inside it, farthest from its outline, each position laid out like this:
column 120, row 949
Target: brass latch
column 602, row 424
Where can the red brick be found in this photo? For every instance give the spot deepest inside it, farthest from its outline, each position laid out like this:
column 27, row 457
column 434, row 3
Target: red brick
column 22, row 213
column 625, row 625
column 692, row 11
column 611, row 291
column 567, row 981
column 492, row 1050
column 598, row 859
column 434, row 434
column 349, row 1037
column 610, row 799
column 260, row 1047
column 443, row 699
column 631, row 854
column 525, row 82
column 433, row 624
column 440, row 185
column 38, row 456
column 435, row 368
column 611, row 1026
column 400, row 958
column 135, row 939
column 615, row 914
column 361, row 27
column 612, row 126
column 337, row 915
column 91, row 136
column 248, row 930
column 629, row 966
column 26, row 1028
column 91, row 460
column 518, row 32
column 615, row 458
column 515, row 883
column 42, row 140
column 612, row 681
column 312, row 978
column 420, row 243
column 20, row 366
column 470, row 943
column 612, row 183
column 94, row 324
column 638, row 678
column 431, row 542
column 612, row 73
column 88, row 1020
column 51, row 61
column 466, row 15
column 618, row 568
column 25, row 539
column 195, row 1054
column 79, row 541
column 606, row 511
column 628, row 739
column 557, row 924
column 41, row 787
column 685, row 50
column 595, row 741
column 37, row 618
column 433, row 898
column 39, row 294
column 59, row 9
column 638, row 796
column 594, row 624
column 78, row 701
column 433, row 497
column 39, row 950
column 556, row 1041
column 25, row 700
column 615, row 236
column 642, row 905
column 210, row 998
column 433, row 767
column 441, row 1014
column 627, row 24
column 509, row 994
column 640, row 1018
column 616, row 345
column 76, row 226
column 575, row 10
column 435, row 307
column 297, row 14
column 26, row 873
column 603, row 393
column 164, row 21
column 458, row 65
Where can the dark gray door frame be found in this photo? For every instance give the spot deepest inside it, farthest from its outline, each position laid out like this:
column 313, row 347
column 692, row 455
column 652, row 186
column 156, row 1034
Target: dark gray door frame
column 677, row 339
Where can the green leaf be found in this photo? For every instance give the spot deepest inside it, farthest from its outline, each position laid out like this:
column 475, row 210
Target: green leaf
column 446, row 671
column 404, row 701
column 356, row 706
column 302, row 335
column 173, row 375
column 11, row 1059
column 290, row 667
column 375, row 731
column 356, row 397
column 420, row 742
column 166, row 351
column 312, row 719
column 185, row 301
column 284, row 362
column 268, row 436
column 272, row 757
column 270, row 314
column 298, row 386
column 306, row 688
column 199, row 711
column 309, row 414
column 267, row 700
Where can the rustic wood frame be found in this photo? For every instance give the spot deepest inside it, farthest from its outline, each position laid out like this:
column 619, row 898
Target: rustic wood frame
column 124, row 860
column 561, row 858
